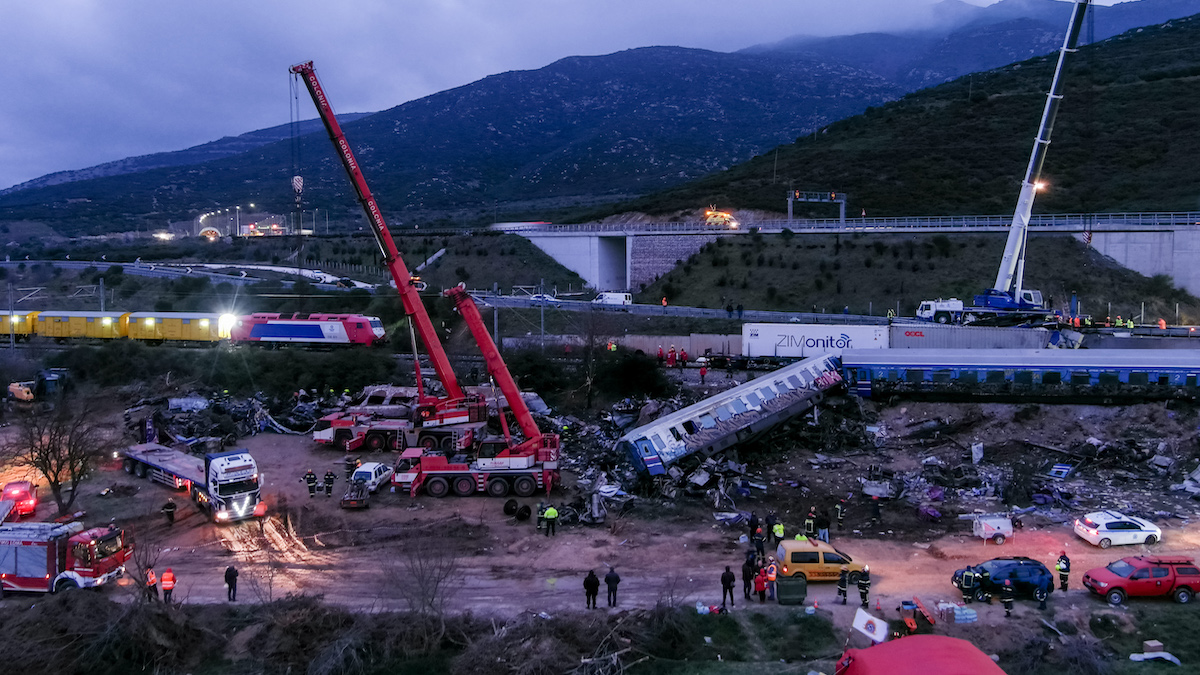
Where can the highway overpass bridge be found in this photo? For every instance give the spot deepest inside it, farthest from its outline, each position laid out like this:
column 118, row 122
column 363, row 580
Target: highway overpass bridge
column 622, row 256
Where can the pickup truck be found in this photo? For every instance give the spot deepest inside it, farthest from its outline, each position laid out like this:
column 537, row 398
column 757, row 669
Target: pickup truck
column 1145, row 576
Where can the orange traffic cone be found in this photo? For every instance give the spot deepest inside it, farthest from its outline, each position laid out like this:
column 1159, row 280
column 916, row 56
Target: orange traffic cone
column 876, row 604
column 816, row 605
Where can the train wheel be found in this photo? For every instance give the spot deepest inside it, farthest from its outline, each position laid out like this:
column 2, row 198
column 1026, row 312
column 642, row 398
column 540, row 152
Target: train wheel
column 464, row 486
column 524, row 486
column 437, row 487
column 497, row 487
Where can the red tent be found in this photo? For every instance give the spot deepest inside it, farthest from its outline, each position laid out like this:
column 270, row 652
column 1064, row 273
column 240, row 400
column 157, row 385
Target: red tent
column 918, row 655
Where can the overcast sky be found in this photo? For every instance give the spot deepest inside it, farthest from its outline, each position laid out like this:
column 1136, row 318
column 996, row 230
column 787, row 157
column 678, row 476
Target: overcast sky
column 91, row 81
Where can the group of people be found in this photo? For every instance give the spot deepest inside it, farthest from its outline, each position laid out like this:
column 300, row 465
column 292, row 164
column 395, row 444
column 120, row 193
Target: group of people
column 310, row 479
column 591, row 587
column 169, row 581
column 672, row 358
column 974, row 585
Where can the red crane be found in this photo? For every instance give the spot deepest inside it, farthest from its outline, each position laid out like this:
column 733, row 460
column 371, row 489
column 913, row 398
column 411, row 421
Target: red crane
column 405, row 283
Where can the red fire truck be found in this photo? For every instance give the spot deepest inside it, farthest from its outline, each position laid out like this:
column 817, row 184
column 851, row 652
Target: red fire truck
column 54, row 557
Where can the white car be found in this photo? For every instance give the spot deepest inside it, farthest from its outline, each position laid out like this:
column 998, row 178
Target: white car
column 373, row 474
column 544, row 299
column 1106, row 528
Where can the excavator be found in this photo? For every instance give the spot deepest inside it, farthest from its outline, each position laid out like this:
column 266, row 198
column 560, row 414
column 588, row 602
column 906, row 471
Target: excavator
column 495, row 467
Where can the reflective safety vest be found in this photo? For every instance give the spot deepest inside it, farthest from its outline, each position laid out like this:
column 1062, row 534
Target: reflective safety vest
column 801, row 537
column 151, row 579
column 551, row 513
column 771, row 572
column 168, row 580
column 809, row 525
column 968, row 579
column 778, row 530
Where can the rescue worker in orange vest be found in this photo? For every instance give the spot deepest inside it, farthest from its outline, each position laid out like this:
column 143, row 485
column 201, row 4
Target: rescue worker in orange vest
column 1162, row 324
column 772, row 571
column 168, row 582
column 151, row 584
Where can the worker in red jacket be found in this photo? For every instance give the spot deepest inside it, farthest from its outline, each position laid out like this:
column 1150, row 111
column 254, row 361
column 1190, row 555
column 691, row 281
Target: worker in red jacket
column 168, row 584
column 760, row 585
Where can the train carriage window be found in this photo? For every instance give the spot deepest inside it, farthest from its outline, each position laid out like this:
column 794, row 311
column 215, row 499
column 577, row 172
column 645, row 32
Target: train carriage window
column 1110, row 378
column 707, row 421
column 1081, row 377
column 969, row 377
column 1191, row 381
column 914, row 375
column 1023, row 377
column 91, row 319
column 1139, row 379
column 658, row 442
column 186, row 321
column 690, row 427
column 753, row 399
column 767, row 393
column 738, row 405
column 1163, row 380
column 995, row 376
column 1051, row 378
column 723, row 413
column 944, row 375
column 796, row 382
column 675, row 432
column 863, row 374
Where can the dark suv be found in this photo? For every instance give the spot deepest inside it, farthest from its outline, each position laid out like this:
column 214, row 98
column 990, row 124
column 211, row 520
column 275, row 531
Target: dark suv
column 1027, row 575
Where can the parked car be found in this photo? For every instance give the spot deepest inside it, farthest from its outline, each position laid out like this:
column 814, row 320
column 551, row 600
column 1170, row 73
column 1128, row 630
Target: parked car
column 23, row 495
column 543, row 299
column 1106, row 528
column 1027, row 576
column 373, row 474
column 1139, row 576
column 814, row 560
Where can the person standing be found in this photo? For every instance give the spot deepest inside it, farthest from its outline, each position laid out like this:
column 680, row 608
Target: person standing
column 758, row 539
column 611, row 580
column 727, row 581
column 740, row 310
column 168, row 585
column 169, row 510
column 310, row 479
column 551, row 518
column 966, row 584
column 231, row 575
column 753, row 521
column 1006, row 597
column 864, row 585
column 591, row 588
column 1044, row 586
column 839, row 511
column 683, row 359
column 772, row 575
column 843, row 583
column 769, row 528
column 672, row 355
column 777, row 531
column 703, row 372
column 350, row 465
column 823, row 526
column 729, row 310
column 876, row 512
column 151, row 584
column 760, row 584
column 661, row 358
column 748, row 572
column 810, row 523
column 1064, row 570
column 664, row 304
column 330, row 476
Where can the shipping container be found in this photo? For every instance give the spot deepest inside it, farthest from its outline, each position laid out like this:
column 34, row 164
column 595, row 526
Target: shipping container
column 926, row 335
column 802, row 340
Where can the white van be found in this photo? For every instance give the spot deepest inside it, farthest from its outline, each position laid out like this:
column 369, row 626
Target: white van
column 614, row 299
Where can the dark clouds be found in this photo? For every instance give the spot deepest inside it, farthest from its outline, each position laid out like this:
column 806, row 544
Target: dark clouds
column 91, row 81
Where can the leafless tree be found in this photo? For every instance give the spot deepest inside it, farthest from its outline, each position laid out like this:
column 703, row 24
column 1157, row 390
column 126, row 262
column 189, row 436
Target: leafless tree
column 63, row 443
column 427, row 576
column 146, row 552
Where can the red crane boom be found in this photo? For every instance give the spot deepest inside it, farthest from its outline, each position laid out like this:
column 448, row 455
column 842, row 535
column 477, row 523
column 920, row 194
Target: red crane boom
column 404, row 281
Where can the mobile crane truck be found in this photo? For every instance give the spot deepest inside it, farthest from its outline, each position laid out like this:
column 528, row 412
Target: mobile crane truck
column 498, row 466
column 225, row 485
column 1008, row 302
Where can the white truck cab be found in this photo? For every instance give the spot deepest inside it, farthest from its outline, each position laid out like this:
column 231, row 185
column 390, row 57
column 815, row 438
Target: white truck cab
column 614, row 299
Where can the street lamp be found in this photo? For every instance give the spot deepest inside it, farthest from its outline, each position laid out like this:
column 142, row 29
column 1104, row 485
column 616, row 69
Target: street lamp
column 238, row 221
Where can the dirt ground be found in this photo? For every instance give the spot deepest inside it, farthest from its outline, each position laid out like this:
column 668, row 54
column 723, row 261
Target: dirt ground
column 663, row 551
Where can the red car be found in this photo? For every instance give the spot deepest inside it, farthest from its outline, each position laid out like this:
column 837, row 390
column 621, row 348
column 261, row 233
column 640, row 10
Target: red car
column 23, row 495
column 1145, row 576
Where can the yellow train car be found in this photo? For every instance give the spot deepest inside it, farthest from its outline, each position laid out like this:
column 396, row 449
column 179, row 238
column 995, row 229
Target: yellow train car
column 173, row 327
column 64, row 325
column 19, row 325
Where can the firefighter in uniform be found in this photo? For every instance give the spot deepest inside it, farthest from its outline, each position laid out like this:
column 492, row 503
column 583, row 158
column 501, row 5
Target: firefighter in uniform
column 330, row 476
column 169, row 510
column 982, row 582
column 864, row 585
column 311, row 479
column 810, row 523
column 839, row 510
column 1064, row 570
column 966, row 583
column 843, row 582
column 168, row 583
column 1007, row 594
column 350, row 465
column 757, row 539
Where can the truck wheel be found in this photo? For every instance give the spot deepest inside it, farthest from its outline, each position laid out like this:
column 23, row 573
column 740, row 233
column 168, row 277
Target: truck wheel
column 1115, row 597
column 1105, row 543
column 437, row 487
column 999, row 539
column 942, row 317
column 1151, row 540
column 127, row 465
column 524, row 486
column 341, row 436
column 498, row 487
column 1182, row 595
column 375, row 442
column 464, row 486
column 65, row 585
column 427, row 441
column 139, row 470
column 447, row 442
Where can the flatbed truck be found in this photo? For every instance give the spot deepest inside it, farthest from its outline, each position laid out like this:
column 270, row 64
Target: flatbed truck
column 224, row 485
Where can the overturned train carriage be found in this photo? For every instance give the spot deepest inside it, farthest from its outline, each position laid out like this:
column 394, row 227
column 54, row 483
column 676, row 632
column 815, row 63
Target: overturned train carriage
column 692, row 434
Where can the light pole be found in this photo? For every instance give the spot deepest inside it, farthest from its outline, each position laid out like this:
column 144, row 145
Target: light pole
column 238, row 221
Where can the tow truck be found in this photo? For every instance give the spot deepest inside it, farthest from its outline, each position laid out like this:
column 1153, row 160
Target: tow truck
column 1008, row 302
column 496, row 464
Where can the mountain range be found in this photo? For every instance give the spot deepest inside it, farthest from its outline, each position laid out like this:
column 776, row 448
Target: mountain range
column 579, row 132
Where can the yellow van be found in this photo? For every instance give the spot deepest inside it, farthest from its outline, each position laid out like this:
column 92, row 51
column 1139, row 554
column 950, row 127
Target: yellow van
column 814, row 560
